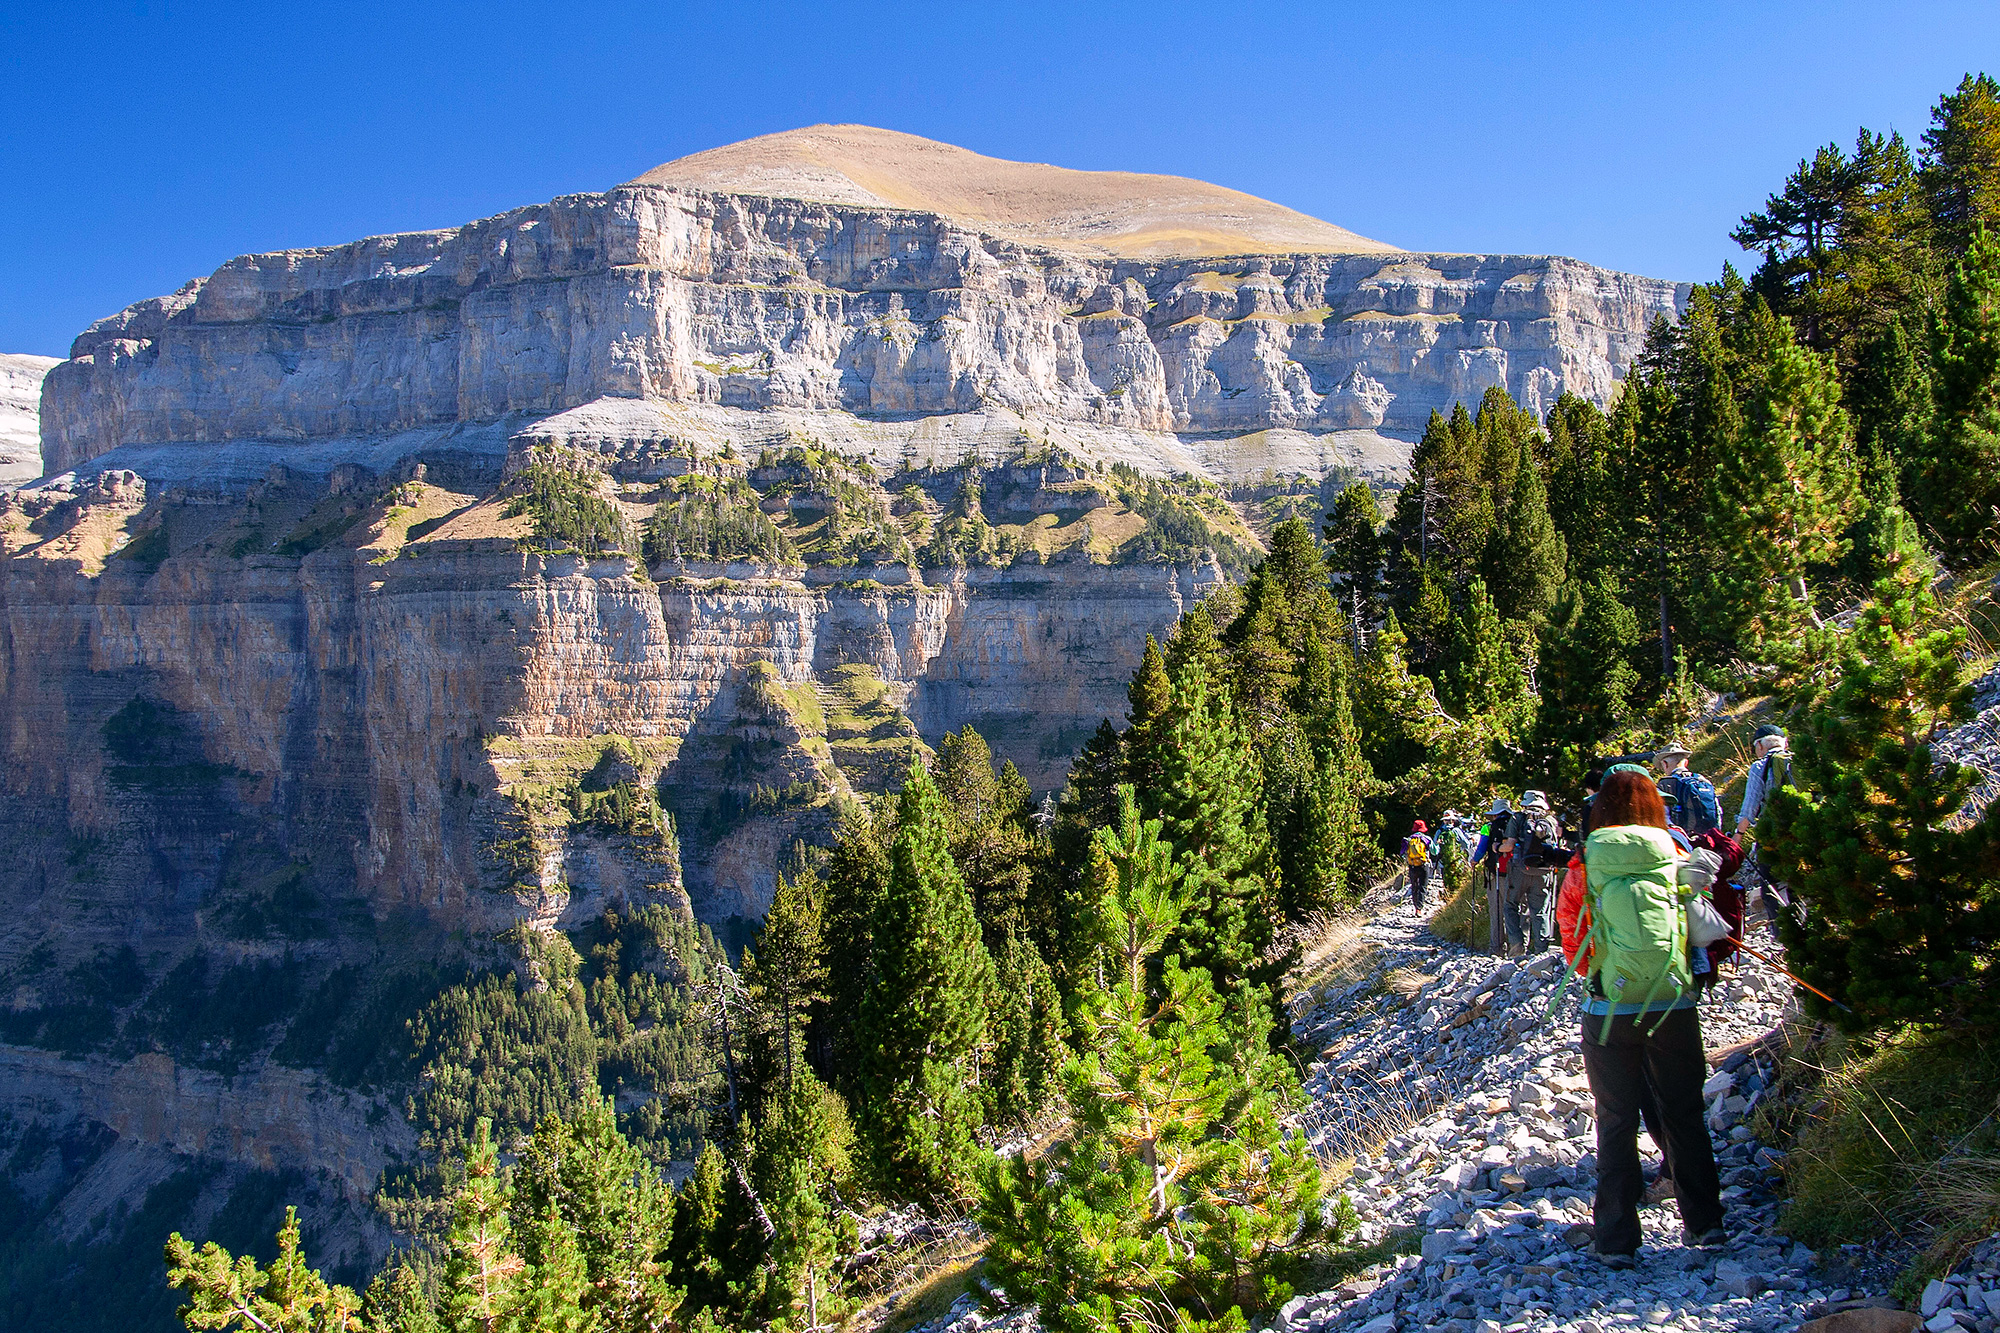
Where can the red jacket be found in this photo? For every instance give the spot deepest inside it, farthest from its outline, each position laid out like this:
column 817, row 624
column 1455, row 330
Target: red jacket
column 1572, row 919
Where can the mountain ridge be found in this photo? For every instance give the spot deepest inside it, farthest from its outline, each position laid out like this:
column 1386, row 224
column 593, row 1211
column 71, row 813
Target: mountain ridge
column 1116, row 213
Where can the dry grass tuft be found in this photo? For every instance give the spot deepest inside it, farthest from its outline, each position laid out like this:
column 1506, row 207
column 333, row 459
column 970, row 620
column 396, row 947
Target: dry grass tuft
column 1333, row 955
column 1463, row 917
column 1404, row 982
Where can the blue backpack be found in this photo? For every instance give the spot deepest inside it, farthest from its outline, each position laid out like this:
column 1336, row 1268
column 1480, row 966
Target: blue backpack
column 1700, row 811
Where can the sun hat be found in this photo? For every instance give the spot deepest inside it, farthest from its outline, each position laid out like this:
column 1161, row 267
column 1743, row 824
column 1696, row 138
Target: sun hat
column 1626, row 768
column 1676, row 749
column 1500, row 806
column 1534, row 800
column 1419, row 827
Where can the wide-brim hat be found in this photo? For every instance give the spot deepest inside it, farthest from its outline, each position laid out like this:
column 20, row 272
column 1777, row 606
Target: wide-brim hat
column 1534, row 800
column 1672, row 752
column 1500, row 806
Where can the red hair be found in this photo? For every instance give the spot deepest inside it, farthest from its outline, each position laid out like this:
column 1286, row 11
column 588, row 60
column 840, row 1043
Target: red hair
column 1628, row 798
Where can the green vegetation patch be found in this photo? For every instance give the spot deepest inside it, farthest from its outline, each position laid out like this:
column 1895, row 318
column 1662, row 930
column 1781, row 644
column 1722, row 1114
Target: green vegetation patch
column 1898, row 1137
column 872, row 739
column 215, row 1015
column 560, row 494
column 611, row 1008
column 715, row 519
column 1187, row 520
column 153, row 751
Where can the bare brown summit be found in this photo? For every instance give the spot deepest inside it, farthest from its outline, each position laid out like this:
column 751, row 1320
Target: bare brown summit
column 1120, row 213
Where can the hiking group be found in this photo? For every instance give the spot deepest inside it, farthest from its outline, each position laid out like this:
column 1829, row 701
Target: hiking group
column 1641, row 898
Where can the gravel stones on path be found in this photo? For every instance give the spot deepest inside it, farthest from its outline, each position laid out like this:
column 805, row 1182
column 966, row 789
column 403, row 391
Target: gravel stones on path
column 1454, row 1082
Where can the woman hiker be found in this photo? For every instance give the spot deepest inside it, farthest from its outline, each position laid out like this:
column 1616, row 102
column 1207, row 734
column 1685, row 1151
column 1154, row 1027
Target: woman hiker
column 1417, row 854
column 1644, row 1046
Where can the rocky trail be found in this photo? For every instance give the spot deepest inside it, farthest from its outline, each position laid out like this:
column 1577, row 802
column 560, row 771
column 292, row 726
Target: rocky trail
column 1463, row 1104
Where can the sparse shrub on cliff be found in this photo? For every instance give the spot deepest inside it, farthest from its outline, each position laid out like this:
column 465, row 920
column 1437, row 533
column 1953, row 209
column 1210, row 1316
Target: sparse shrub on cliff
column 1177, row 531
column 715, row 519
column 561, row 496
column 214, row 1016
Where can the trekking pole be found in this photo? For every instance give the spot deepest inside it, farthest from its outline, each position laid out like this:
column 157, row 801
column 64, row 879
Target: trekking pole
column 1766, row 959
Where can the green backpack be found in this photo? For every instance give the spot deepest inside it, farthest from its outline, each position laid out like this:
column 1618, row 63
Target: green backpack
column 1637, row 943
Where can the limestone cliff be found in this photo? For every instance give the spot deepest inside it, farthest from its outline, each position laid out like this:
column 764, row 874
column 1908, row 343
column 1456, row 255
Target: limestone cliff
column 20, row 416
column 664, row 293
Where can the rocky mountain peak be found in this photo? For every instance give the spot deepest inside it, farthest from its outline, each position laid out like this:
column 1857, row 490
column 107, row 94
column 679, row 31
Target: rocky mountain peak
column 1116, row 213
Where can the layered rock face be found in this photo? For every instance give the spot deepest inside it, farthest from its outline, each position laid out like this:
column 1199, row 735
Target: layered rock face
column 20, row 416
column 680, row 296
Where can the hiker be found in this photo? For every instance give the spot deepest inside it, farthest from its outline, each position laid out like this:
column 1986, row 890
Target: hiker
column 1770, row 770
column 1493, row 867
column 1593, row 782
column 1533, row 840
column 1454, row 833
column 1417, row 855
column 1624, row 927
column 1695, row 805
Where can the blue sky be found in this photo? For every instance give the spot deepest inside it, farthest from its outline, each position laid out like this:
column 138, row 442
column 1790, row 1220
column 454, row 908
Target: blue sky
column 147, row 141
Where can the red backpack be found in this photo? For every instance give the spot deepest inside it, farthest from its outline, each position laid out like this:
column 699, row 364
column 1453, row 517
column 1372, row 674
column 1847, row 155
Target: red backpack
column 1728, row 898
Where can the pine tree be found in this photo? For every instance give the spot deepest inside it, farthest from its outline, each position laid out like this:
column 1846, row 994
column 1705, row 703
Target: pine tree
column 1337, row 854
column 554, row 1294
column 923, row 1012
column 1584, row 681
column 1779, row 503
column 1580, row 502
column 588, row 1197
column 396, row 1301
column 1058, row 913
column 717, row 1245
column 1028, row 1032
column 1176, row 1181
column 1209, row 800
column 1396, row 711
column 1903, row 904
column 481, row 1288
column 1528, row 560
column 1196, row 639
column 233, row 1292
column 1353, row 533
column 785, row 976
column 801, row 1157
column 856, row 872
column 1961, row 169
column 1285, row 595
column 990, row 841
column 1148, row 698
column 1955, row 484
column 1482, row 673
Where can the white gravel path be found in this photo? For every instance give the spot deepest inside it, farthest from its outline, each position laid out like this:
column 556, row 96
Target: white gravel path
column 1490, row 1155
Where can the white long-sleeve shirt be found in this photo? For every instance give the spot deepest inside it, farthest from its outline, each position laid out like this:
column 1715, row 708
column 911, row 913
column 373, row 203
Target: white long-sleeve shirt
column 1764, row 778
